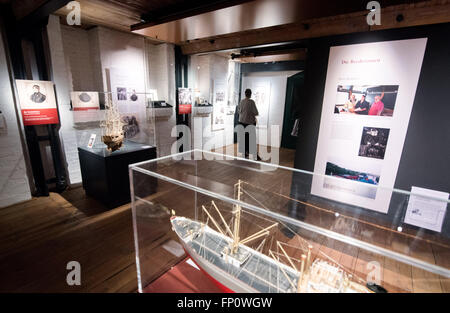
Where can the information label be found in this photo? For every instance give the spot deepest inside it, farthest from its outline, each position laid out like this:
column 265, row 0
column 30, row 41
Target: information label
column 426, row 208
column 37, row 102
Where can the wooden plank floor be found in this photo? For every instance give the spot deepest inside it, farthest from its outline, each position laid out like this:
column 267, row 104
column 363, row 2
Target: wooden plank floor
column 39, row 237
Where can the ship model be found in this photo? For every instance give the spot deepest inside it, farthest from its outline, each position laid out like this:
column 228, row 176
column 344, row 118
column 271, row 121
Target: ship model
column 236, row 267
column 112, row 126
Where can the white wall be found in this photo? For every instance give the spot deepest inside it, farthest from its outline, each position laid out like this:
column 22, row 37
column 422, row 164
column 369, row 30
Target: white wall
column 77, row 55
column 123, row 51
column 14, row 184
column 161, row 76
column 67, row 72
column 203, row 71
column 278, row 82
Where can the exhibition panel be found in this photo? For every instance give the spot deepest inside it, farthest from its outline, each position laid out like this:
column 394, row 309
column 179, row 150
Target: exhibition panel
column 365, row 115
column 257, row 227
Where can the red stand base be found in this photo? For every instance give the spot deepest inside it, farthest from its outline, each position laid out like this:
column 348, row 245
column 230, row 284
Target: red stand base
column 183, row 278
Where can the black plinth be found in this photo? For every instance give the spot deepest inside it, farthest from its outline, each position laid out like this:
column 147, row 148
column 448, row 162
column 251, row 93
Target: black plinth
column 105, row 174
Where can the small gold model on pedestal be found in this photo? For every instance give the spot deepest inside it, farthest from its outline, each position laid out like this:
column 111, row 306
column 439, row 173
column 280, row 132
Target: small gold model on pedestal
column 112, row 126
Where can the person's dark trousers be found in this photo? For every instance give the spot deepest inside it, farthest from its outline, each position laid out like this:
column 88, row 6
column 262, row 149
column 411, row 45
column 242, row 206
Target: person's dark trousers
column 247, row 141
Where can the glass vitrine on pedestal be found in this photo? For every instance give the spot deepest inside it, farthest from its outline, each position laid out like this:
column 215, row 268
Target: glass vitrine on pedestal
column 216, row 223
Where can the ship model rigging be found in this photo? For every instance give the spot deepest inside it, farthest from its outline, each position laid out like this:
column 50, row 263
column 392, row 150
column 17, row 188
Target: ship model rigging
column 112, row 126
column 236, row 267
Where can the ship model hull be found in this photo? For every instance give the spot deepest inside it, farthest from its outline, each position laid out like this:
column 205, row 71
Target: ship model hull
column 225, row 282
column 248, row 271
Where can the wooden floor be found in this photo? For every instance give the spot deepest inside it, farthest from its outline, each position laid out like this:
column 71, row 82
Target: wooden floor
column 39, row 237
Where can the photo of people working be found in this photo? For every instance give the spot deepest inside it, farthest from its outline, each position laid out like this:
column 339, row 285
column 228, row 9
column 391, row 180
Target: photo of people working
column 376, row 100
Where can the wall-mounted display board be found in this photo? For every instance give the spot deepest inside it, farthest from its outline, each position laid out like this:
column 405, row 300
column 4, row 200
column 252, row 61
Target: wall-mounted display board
column 85, row 106
column 261, row 95
column 37, row 102
column 219, row 105
column 128, row 92
column 369, row 95
column 185, row 98
column 84, row 100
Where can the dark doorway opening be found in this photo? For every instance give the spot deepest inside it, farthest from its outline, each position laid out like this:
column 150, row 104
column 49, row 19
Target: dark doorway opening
column 294, row 89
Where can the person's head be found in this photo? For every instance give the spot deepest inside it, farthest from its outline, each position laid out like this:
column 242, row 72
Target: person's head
column 363, row 97
column 353, row 97
column 248, row 93
column 377, row 98
column 36, row 88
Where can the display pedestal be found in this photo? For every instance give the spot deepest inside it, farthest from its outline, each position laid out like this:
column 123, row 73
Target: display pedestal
column 105, row 174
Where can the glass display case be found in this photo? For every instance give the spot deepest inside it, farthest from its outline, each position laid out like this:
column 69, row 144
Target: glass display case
column 137, row 121
column 248, row 226
column 110, row 134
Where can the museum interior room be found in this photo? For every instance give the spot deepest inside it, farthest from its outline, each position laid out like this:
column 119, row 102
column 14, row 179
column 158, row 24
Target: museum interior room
column 224, row 146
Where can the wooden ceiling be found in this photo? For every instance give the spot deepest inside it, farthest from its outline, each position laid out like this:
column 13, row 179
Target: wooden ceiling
column 247, row 15
column 113, row 14
column 144, row 6
column 246, row 22
column 121, row 15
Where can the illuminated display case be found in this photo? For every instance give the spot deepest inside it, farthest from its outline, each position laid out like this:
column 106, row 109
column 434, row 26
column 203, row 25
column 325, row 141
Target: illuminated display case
column 248, row 226
column 138, row 122
column 109, row 137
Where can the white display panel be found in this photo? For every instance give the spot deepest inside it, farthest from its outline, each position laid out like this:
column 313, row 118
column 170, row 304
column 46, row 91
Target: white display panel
column 361, row 139
column 84, row 100
column 425, row 210
column 220, row 105
column 128, row 92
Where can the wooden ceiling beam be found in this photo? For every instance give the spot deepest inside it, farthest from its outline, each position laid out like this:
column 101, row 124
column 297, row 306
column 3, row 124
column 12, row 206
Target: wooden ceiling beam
column 183, row 10
column 256, row 53
column 295, row 56
column 112, row 15
column 422, row 13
